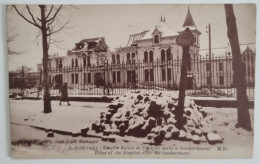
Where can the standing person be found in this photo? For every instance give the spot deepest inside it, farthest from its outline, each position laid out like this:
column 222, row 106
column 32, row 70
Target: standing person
column 64, row 93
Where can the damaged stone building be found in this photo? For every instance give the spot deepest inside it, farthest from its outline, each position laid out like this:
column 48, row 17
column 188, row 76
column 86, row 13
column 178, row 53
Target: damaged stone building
column 151, row 59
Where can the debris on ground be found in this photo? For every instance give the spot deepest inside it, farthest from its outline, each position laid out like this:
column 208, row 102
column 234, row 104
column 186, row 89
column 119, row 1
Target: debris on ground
column 151, row 114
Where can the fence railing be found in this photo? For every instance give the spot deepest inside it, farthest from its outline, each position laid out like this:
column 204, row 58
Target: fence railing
column 205, row 77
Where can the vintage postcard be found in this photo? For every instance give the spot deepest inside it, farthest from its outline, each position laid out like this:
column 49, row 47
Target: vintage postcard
column 172, row 81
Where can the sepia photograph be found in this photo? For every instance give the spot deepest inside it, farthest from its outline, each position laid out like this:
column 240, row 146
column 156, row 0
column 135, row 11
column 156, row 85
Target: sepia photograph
column 131, row 81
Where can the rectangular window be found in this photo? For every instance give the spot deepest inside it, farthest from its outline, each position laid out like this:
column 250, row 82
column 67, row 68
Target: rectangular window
column 169, row 75
column 163, row 74
column 89, row 64
column 76, row 78
column 118, row 76
column 114, row 76
column 76, row 62
column 84, row 62
column 133, row 76
column 72, row 78
column 156, row 39
column 89, row 77
column 220, row 66
column 72, row 63
column 151, row 75
column 129, row 76
column 207, row 67
column 50, row 79
column 85, row 78
column 208, row 80
column 221, row 80
column 146, row 75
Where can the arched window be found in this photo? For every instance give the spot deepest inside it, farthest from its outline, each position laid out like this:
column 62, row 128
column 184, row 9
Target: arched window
column 128, row 60
column 118, row 58
column 113, row 59
column 151, row 56
column 162, row 55
column 145, row 56
column 72, row 62
column 169, row 55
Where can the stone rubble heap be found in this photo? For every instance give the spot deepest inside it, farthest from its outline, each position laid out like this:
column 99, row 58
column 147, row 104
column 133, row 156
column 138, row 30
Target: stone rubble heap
column 151, row 114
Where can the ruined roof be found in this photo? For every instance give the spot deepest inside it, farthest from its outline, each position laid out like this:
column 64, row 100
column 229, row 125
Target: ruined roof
column 91, row 44
column 163, row 28
column 91, row 40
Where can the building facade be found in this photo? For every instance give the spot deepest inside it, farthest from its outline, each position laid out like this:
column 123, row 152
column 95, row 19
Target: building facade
column 88, row 55
column 151, row 59
column 150, row 55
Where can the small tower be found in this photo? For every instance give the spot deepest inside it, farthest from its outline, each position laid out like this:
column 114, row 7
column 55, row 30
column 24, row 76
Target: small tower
column 189, row 22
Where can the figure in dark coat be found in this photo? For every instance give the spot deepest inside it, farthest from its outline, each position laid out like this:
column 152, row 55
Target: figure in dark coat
column 64, row 93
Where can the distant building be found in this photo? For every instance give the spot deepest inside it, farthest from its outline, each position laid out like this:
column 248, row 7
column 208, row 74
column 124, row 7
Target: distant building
column 222, row 66
column 151, row 58
column 86, row 53
column 157, row 45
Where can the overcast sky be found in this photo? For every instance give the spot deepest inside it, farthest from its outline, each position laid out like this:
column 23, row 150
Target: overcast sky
column 117, row 22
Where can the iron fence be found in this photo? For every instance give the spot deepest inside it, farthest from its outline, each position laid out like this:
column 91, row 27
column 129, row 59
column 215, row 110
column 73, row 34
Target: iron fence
column 120, row 78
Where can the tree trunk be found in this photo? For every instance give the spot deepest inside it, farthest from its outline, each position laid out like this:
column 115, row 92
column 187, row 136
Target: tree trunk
column 46, row 99
column 243, row 117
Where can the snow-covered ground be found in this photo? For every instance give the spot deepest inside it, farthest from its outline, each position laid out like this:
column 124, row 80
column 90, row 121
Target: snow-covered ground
column 81, row 114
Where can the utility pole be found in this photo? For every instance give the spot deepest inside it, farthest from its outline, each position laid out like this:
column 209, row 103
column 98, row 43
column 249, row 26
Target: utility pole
column 210, row 73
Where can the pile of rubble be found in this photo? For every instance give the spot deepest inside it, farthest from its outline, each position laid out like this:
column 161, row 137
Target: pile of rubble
column 151, row 114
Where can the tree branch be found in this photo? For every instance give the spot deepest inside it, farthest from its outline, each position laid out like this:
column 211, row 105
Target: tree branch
column 18, row 12
column 54, row 16
column 29, row 11
column 53, row 43
column 52, row 32
column 49, row 12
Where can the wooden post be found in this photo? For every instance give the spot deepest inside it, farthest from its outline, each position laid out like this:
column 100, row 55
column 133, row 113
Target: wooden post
column 185, row 39
column 183, row 85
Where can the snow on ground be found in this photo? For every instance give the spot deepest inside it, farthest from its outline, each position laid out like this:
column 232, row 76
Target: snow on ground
column 70, row 118
column 81, row 114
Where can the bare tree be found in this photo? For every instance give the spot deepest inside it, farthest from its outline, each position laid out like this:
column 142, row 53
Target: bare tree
column 243, row 117
column 11, row 38
column 48, row 25
column 24, row 68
